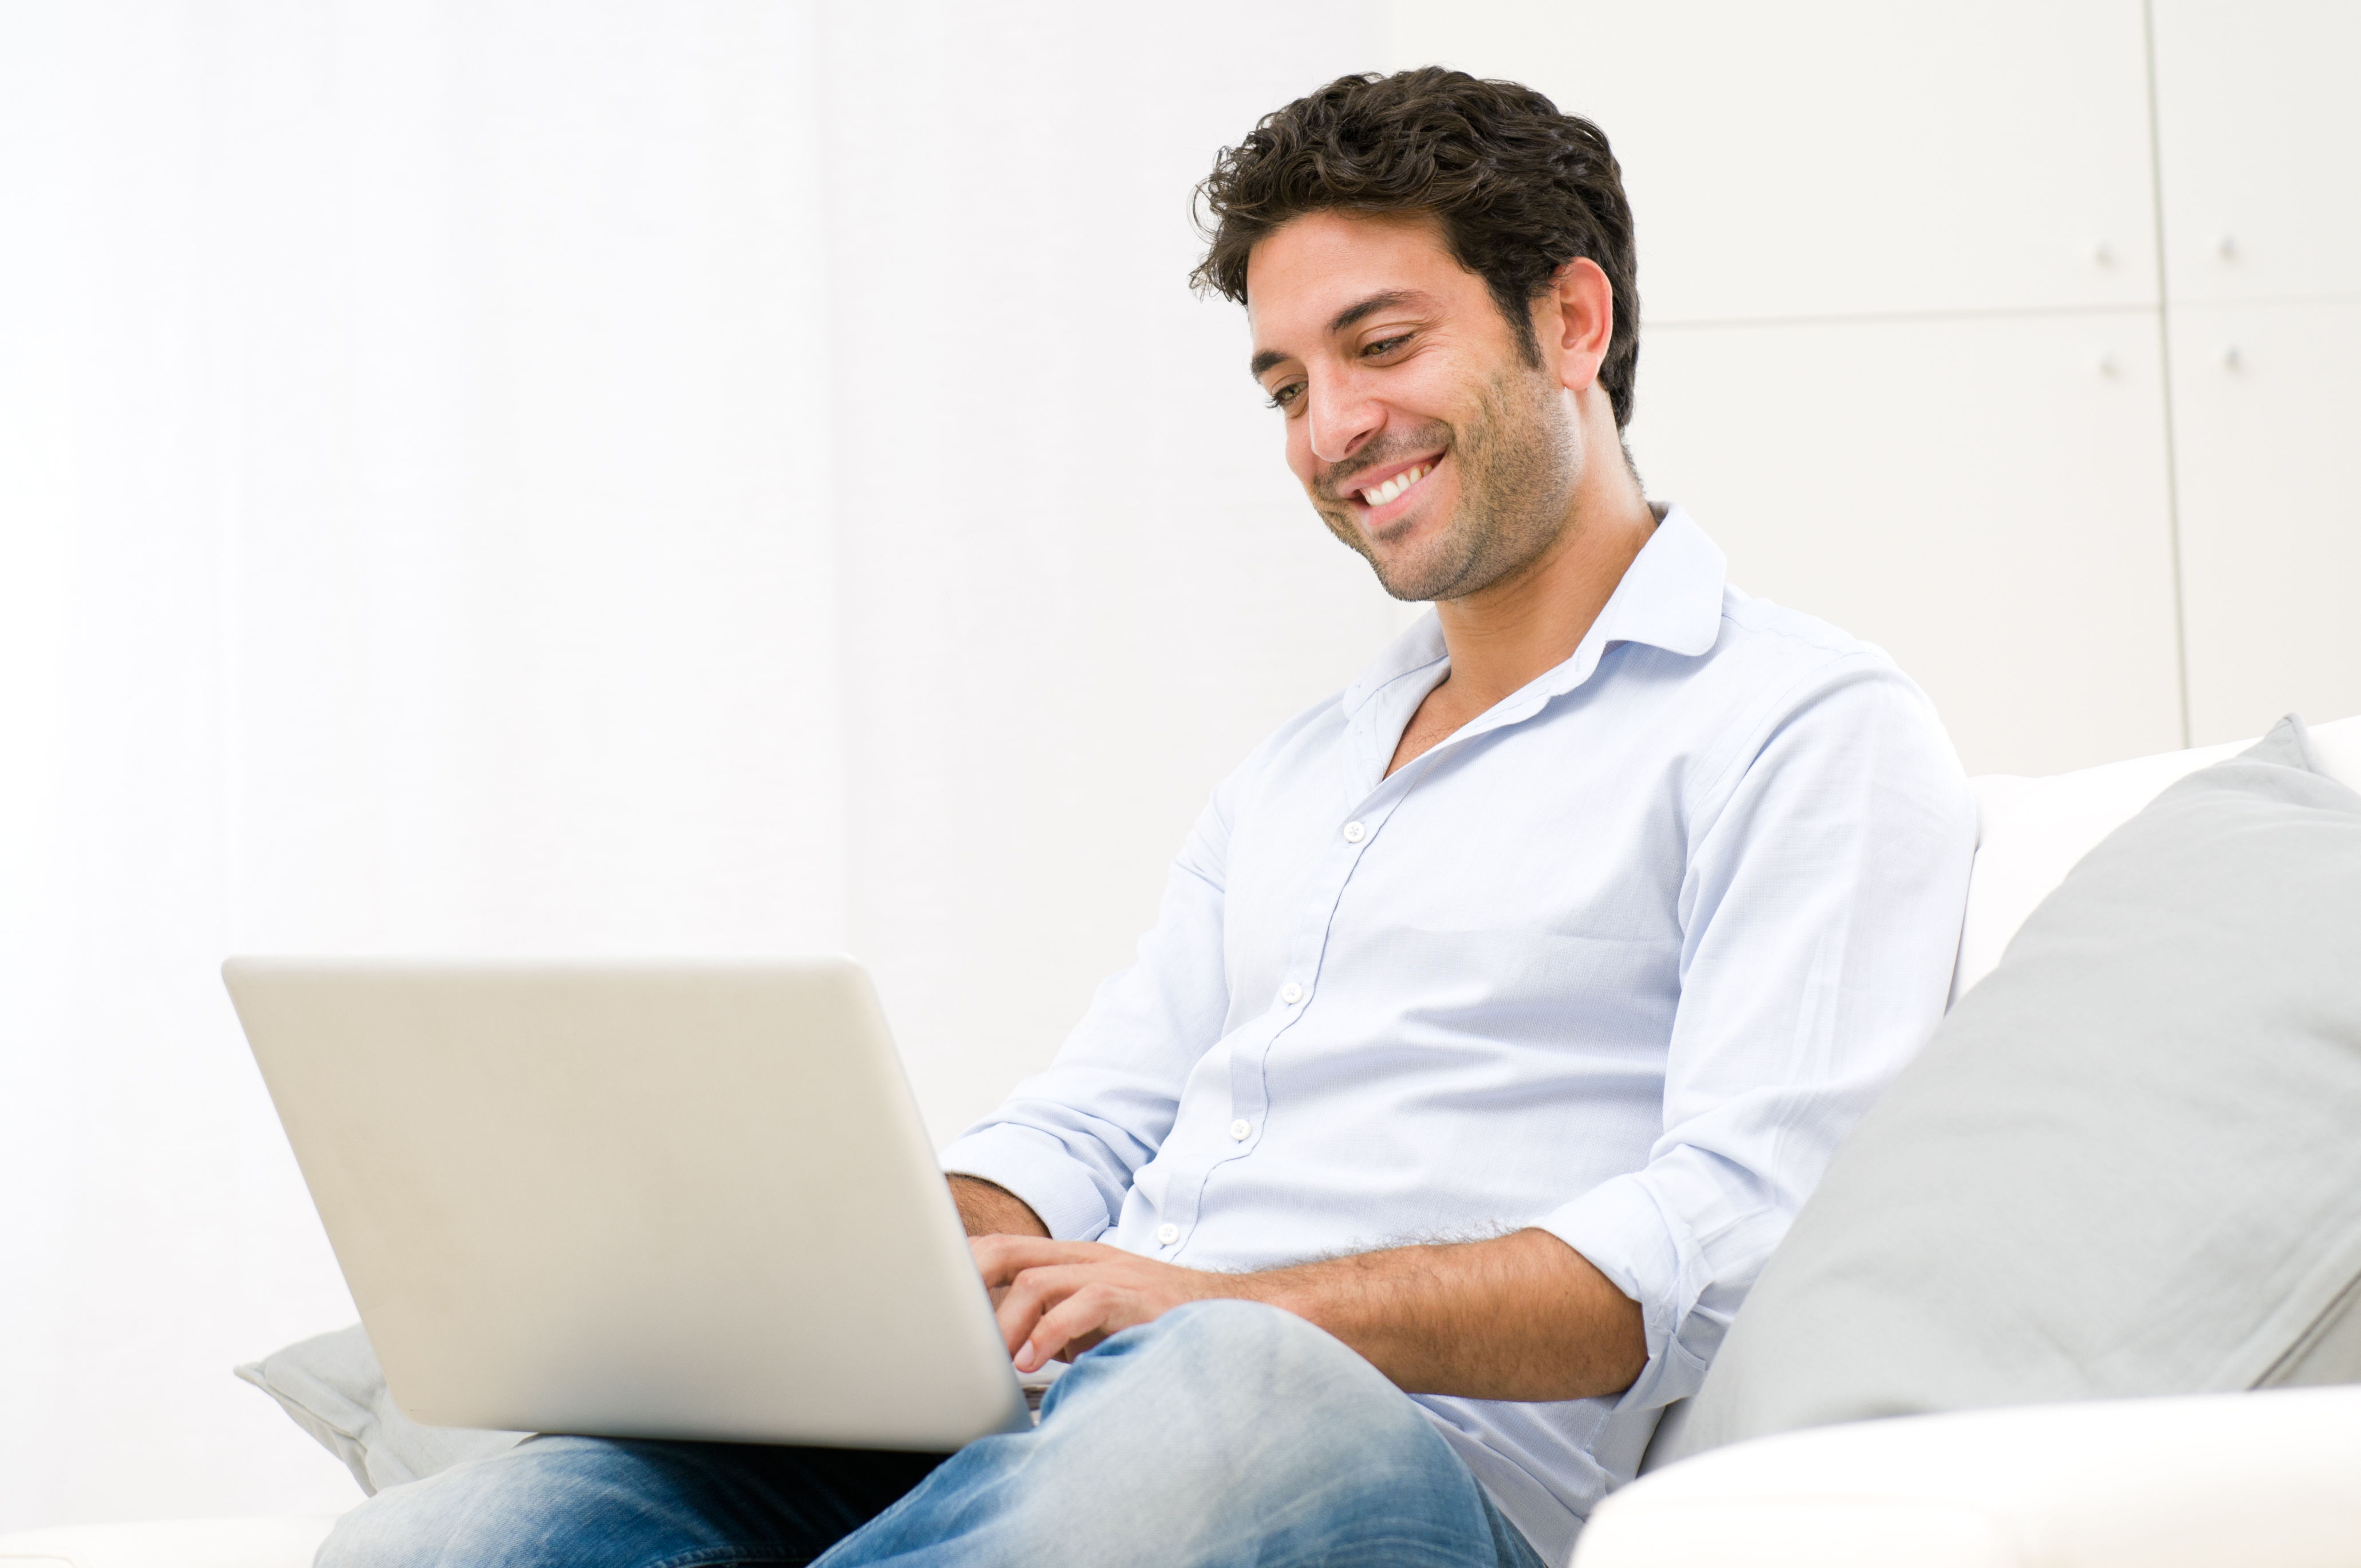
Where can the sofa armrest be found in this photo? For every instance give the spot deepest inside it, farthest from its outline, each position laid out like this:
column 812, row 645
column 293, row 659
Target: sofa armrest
column 2178, row 1483
column 277, row 1542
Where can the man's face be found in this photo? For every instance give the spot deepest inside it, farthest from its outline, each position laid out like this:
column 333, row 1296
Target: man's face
column 1426, row 439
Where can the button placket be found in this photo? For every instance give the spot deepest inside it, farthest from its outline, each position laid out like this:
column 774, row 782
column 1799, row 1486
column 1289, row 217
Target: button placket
column 1250, row 1069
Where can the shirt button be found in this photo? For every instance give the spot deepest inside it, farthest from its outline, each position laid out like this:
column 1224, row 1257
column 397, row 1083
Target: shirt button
column 1167, row 1235
column 1355, row 832
column 1240, row 1130
column 1291, row 994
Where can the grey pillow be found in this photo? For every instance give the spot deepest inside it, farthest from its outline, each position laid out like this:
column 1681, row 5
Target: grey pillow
column 2128, row 1163
column 334, row 1389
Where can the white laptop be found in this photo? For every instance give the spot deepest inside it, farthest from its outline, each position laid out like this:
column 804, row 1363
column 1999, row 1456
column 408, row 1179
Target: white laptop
column 661, row 1200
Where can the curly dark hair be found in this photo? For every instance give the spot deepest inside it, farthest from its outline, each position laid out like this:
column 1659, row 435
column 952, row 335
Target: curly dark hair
column 1519, row 188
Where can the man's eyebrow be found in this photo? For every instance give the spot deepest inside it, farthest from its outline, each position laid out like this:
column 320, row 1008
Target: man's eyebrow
column 1352, row 313
column 1370, row 307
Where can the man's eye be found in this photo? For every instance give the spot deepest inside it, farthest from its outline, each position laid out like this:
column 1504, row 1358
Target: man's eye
column 1287, row 395
column 1384, row 346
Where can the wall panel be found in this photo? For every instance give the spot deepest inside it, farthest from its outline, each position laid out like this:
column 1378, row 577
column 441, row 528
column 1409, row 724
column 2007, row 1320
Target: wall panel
column 2260, row 143
column 2265, row 408
column 2259, row 139
column 1984, row 498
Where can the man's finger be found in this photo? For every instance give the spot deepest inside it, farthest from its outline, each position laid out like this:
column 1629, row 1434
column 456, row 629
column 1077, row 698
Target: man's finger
column 1001, row 1258
column 1034, row 1292
column 1087, row 1312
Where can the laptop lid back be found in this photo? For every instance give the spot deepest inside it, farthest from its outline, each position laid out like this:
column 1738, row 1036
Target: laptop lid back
column 685, row 1200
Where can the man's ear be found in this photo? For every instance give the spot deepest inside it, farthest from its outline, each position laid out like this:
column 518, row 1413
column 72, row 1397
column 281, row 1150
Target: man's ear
column 1575, row 322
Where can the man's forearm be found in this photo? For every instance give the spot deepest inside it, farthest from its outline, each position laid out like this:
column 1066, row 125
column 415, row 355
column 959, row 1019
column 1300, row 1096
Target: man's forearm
column 1523, row 1317
column 988, row 1209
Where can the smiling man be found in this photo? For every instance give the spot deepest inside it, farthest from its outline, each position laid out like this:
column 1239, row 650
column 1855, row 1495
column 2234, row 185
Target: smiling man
column 1502, row 1010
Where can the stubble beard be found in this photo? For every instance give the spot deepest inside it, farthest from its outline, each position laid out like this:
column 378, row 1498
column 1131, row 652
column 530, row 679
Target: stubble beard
column 1518, row 459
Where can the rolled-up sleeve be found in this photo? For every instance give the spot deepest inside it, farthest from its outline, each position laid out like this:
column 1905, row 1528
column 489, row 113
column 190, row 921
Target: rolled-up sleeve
column 1827, row 864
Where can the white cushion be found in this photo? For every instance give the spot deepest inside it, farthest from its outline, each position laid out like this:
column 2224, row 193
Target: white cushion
column 277, row 1541
column 2031, row 831
column 2185, row 1483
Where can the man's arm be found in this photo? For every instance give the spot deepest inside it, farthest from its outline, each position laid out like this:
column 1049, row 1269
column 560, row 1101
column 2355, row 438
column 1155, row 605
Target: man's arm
column 1072, row 1138
column 1826, row 873
column 1522, row 1317
column 988, row 1209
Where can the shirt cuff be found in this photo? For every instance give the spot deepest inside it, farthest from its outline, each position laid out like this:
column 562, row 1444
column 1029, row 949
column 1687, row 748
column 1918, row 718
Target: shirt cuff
column 1037, row 1168
column 1623, row 1231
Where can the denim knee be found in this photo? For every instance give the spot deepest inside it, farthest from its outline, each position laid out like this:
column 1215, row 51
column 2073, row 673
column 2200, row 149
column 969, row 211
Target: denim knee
column 1242, row 1363
column 1249, row 1403
column 555, row 1500
column 420, row 1522
column 1223, row 1434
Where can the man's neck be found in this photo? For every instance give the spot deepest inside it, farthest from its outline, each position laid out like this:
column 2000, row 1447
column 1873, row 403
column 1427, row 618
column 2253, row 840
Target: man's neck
column 1504, row 637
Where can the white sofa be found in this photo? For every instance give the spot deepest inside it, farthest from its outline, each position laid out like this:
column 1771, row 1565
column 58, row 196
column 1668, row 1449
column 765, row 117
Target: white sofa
column 2270, row 1478
column 2261, row 1480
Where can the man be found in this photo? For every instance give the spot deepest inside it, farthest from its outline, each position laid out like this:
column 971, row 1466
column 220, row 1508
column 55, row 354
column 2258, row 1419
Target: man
column 1503, row 1009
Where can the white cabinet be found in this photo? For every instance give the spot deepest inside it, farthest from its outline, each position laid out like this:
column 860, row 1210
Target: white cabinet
column 1845, row 157
column 1985, row 498
column 2259, row 141
column 2266, row 422
column 2258, row 130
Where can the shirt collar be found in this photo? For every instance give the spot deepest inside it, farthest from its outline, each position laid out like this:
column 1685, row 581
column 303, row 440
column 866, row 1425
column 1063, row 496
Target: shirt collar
column 1670, row 597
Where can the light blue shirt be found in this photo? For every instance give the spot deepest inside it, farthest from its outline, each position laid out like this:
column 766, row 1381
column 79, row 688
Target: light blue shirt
column 1623, row 958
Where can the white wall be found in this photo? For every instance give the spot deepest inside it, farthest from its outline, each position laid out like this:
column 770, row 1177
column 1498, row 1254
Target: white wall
column 547, row 477
column 401, row 553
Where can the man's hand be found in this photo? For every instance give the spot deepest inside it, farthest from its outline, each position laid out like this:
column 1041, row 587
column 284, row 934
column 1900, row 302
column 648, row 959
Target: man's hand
column 1059, row 1298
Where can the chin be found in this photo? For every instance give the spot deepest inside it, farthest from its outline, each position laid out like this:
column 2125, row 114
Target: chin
column 1406, row 562
column 1412, row 582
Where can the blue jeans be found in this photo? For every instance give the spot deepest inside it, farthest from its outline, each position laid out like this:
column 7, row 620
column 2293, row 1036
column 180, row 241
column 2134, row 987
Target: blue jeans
column 1226, row 1432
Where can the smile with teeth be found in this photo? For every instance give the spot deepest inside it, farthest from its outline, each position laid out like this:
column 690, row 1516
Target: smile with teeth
column 1378, row 495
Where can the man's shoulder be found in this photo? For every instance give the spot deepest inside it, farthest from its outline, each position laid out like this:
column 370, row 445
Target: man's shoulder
column 1770, row 653
column 1781, row 688
column 1779, row 637
column 1711, row 647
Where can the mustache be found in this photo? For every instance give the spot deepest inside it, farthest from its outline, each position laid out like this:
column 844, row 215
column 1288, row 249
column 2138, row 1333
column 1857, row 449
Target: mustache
column 1338, row 484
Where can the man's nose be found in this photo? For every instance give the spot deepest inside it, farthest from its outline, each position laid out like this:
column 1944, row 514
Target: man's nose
column 1341, row 416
